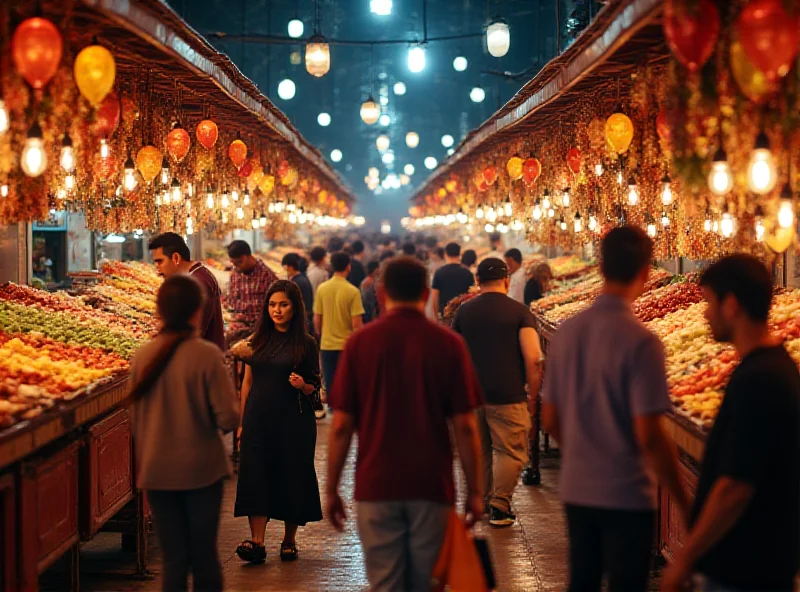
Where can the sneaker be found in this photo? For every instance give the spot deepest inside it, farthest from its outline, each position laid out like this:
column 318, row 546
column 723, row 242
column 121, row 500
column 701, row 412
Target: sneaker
column 320, row 413
column 500, row 519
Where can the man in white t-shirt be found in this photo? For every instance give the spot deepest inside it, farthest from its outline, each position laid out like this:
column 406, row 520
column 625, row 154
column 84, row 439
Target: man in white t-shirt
column 516, row 288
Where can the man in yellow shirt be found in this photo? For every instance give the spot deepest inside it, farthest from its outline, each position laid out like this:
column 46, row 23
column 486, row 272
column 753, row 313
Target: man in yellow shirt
column 337, row 313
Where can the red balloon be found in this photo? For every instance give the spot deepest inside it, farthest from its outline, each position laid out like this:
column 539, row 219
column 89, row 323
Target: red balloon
column 247, row 168
column 691, row 28
column 178, row 143
column 662, row 126
column 107, row 118
column 36, row 47
column 769, row 36
column 283, row 168
column 490, row 174
column 574, row 159
column 531, row 169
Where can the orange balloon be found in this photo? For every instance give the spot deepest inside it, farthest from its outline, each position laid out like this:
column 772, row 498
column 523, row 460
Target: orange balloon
column 148, row 161
column 574, row 159
column 36, row 48
column 531, row 169
column 490, row 174
column 207, row 133
column 266, row 184
column 441, row 193
column 178, row 143
column 237, row 152
column 451, row 185
column 283, row 168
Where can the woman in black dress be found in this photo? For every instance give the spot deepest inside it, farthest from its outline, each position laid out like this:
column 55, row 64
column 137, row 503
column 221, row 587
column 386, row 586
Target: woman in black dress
column 277, row 479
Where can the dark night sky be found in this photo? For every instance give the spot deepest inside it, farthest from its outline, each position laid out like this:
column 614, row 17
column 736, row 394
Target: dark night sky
column 437, row 99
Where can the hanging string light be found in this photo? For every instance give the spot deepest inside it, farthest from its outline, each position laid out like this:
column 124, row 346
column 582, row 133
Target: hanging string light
column 633, row 192
column 67, row 159
column 762, row 174
column 578, row 224
column 786, row 208
column 565, row 200
column 416, row 58
column 318, row 56
column 34, row 157
column 129, row 174
column 4, row 122
column 720, row 178
column 666, row 190
column 498, row 38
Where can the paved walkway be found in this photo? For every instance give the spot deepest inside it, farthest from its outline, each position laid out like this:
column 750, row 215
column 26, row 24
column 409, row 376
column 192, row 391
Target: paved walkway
column 528, row 557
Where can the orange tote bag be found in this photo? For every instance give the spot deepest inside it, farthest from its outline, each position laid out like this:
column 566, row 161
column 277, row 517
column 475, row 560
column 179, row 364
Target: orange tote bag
column 459, row 567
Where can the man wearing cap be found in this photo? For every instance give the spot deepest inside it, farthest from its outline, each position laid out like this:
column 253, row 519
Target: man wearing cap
column 505, row 349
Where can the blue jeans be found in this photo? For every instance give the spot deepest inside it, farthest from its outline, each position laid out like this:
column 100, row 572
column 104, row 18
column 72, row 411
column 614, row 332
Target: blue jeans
column 330, row 360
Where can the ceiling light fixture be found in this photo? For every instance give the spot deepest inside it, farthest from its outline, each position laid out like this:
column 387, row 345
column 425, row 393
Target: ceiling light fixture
column 324, row 119
column 460, row 64
column 498, row 38
column 336, row 155
column 286, row 89
column 380, row 7
column 296, row 28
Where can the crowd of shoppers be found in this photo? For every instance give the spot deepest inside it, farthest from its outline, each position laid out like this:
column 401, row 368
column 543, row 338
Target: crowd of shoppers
column 404, row 385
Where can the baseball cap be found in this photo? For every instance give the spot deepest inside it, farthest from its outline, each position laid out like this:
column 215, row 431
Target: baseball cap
column 492, row 269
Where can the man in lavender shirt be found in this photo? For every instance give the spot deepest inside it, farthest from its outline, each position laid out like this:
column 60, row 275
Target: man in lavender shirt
column 605, row 393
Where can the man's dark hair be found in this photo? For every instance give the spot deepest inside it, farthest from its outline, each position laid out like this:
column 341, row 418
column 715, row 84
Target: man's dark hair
column 358, row 247
column 317, row 254
column 291, row 260
column 495, row 238
column 440, row 252
column 335, row 244
column 373, row 266
column 744, row 277
column 430, row 242
column 469, row 258
column 303, row 263
column 409, row 249
column 386, row 255
column 405, row 279
column 339, row 261
column 515, row 254
column 171, row 243
column 625, row 252
column 239, row 248
column 452, row 249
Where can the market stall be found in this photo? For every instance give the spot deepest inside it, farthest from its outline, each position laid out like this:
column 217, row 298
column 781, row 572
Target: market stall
column 117, row 121
column 670, row 116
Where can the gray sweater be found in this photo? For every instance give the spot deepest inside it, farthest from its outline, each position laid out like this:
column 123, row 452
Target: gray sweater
column 176, row 425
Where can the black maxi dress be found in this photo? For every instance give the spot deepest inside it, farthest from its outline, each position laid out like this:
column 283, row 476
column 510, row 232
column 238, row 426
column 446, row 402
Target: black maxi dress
column 277, row 478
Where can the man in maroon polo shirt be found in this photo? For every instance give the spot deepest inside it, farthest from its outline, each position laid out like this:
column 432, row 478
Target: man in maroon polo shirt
column 400, row 381
column 171, row 256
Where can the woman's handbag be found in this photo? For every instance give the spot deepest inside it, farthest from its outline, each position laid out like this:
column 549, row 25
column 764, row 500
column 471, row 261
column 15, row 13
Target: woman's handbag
column 459, row 566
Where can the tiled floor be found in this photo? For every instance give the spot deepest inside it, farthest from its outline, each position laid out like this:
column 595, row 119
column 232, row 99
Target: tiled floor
column 529, row 557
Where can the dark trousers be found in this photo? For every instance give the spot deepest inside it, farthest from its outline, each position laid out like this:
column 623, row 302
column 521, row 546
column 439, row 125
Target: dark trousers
column 330, row 359
column 616, row 543
column 186, row 524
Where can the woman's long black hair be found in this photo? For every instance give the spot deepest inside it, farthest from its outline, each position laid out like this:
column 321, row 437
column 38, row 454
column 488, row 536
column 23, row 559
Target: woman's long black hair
column 298, row 338
column 178, row 299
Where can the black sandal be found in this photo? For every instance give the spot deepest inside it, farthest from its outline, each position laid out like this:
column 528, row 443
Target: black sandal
column 251, row 552
column 288, row 552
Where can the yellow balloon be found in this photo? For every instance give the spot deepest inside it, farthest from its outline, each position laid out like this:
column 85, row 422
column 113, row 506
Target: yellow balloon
column 95, row 71
column 752, row 81
column 619, row 132
column 290, row 178
column 148, row 161
column 779, row 239
column 266, row 184
column 514, row 168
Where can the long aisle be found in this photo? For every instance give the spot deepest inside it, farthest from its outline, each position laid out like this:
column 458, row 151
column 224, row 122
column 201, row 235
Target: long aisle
column 529, row 557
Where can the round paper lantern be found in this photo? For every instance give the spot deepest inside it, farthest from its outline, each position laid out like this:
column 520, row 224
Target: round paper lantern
column 514, row 168
column 266, row 184
column 663, row 128
column 769, row 36
column 207, row 133
column 753, row 83
column 619, row 132
column 148, row 162
column 178, row 143
column 246, row 169
column 283, row 168
column 36, row 48
column 107, row 116
column 691, row 28
column 95, row 71
column 490, row 174
column 531, row 169
column 237, row 152
column 574, row 159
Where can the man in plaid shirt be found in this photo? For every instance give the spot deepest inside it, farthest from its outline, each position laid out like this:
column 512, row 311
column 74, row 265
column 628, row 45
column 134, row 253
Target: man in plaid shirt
column 248, row 287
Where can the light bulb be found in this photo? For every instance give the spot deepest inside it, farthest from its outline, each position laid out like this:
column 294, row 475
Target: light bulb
column 380, row 7
column 3, row 117
column 164, row 171
column 318, row 56
column 188, row 203
column 619, row 178
column 707, row 224
column 34, row 156
column 412, row 141
column 295, row 28
column 385, row 120
column 551, row 213
column 489, row 228
column 651, row 230
column 592, row 223
column 271, row 208
column 210, row 198
column 727, row 225
column 633, row 192
column 537, row 210
column 430, row 163
column 292, row 218
column 461, row 217
column 416, row 58
column 61, row 194
column 399, row 88
column 240, row 213
column 762, row 174
column 460, row 64
column 509, row 209
column 129, row 180
column 760, row 230
column 254, row 223
column 224, row 217
column 324, row 119
column 666, row 190
column 491, row 215
column 447, row 140
column 477, row 95
column 382, row 143
column 562, row 223
column 479, row 213
column 246, row 197
column 262, row 220
column 786, row 212
column 225, row 202
column 279, row 206
column 720, row 178
column 336, row 155
column 565, row 197
column 291, row 207
column 578, row 223
column 664, row 219
column 175, row 190
column 498, row 38
column 69, row 182
column 105, row 149
column 546, row 200
column 4, row 190
column 235, row 195
column 370, row 111
column 598, row 169
column 190, row 189
column 286, row 89
column 67, row 159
